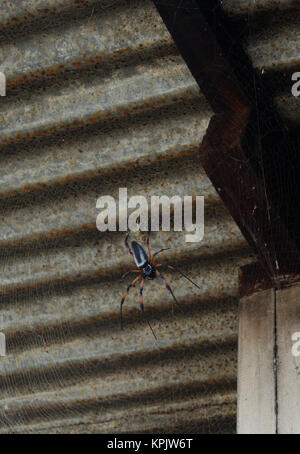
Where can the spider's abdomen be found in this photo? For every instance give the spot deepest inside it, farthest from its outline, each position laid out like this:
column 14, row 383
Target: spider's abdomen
column 140, row 256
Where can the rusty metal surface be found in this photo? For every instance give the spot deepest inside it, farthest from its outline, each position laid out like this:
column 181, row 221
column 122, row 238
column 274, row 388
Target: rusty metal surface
column 98, row 98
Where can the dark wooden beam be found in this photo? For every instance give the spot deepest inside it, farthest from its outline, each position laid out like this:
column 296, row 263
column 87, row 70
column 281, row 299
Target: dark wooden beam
column 222, row 152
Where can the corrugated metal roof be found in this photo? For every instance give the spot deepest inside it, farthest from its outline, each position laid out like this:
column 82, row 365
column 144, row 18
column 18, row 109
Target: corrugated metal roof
column 98, row 98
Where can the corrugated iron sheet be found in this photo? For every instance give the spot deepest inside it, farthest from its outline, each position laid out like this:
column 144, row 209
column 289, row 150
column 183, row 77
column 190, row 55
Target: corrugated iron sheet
column 98, row 98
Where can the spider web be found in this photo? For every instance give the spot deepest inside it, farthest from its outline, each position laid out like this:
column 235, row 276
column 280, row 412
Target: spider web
column 68, row 365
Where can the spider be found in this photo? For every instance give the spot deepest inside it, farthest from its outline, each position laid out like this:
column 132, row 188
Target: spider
column 147, row 269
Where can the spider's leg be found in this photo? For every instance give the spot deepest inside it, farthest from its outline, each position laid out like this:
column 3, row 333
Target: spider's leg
column 128, row 272
column 142, row 307
column 125, row 294
column 167, row 287
column 176, row 270
column 158, row 252
column 128, row 247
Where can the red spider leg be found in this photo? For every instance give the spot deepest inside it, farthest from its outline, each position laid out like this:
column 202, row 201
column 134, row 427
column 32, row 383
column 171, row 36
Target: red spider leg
column 158, row 252
column 142, row 307
column 148, row 240
column 167, row 287
column 128, row 272
column 128, row 247
column 177, row 271
column 126, row 293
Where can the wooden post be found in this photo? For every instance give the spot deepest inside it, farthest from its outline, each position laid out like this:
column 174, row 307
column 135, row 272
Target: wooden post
column 268, row 357
column 288, row 372
column 256, row 378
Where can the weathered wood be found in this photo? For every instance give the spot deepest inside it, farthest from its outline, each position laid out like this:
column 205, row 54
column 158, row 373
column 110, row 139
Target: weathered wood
column 288, row 373
column 269, row 352
column 256, row 377
column 252, row 279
